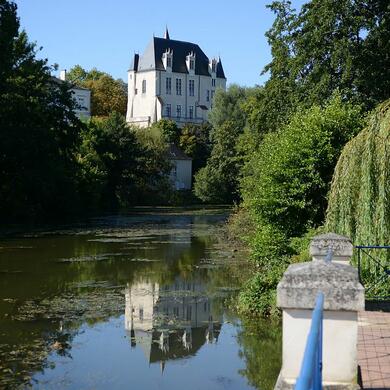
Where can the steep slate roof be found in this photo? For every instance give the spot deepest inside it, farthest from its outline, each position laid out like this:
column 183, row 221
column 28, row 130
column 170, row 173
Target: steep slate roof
column 56, row 80
column 134, row 63
column 174, row 153
column 219, row 71
column 152, row 58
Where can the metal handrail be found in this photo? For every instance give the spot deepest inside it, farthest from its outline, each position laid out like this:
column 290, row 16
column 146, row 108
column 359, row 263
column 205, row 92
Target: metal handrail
column 310, row 376
column 372, row 246
column 381, row 271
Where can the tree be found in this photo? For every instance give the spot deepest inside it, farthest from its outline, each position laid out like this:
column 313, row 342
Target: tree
column 39, row 130
column 218, row 181
column 227, row 107
column 287, row 180
column 107, row 94
column 169, row 130
column 195, row 143
column 359, row 199
column 119, row 152
column 328, row 45
column 122, row 166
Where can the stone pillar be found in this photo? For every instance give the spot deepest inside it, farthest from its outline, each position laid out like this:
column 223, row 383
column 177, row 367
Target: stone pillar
column 340, row 246
column 344, row 297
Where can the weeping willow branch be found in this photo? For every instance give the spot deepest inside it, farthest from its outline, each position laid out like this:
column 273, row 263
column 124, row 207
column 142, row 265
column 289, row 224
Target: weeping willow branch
column 359, row 201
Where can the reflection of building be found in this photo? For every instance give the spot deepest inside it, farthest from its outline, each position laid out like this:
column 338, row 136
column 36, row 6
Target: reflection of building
column 171, row 321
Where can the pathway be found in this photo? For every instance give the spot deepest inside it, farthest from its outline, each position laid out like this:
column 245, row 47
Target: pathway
column 374, row 349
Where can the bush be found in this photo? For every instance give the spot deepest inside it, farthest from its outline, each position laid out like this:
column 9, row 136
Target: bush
column 289, row 177
column 285, row 190
column 258, row 296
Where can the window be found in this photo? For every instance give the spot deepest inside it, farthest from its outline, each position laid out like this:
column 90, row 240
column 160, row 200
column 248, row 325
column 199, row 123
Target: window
column 192, row 64
column 213, row 82
column 213, row 66
column 178, row 86
column 208, row 95
column 189, row 313
column 143, row 86
column 169, row 62
column 212, row 95
column 191, row 112
column 192, row 87
column 141, row 314
column 174, row 170
column 168, row 110
column 168, row 85
column 178, row 111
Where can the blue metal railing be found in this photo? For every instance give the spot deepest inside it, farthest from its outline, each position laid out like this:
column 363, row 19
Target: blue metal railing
column 310, row 376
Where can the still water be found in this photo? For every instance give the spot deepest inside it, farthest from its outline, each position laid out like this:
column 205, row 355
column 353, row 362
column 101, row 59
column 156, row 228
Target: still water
column 137, row 301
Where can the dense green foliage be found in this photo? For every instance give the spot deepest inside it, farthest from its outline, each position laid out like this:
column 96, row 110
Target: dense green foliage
column 218, row 181
column 288, row 178
column 39, row 132
column 119, row 168
column 359, row 200
column 326, row 45
column 285, row 187
column 53, row 165
column 294, row 133
column 107, row 94
column 195, row 143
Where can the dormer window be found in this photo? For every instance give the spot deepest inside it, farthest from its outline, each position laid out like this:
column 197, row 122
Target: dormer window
column 167, row 59
column 213, row 64
column 190, row 62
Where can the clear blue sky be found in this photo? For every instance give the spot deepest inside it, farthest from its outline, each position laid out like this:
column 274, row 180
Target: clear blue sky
column 105, row 34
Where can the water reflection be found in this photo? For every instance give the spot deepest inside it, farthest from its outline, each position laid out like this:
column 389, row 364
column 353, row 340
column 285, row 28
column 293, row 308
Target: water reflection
column 170, row 321
column 64, row 296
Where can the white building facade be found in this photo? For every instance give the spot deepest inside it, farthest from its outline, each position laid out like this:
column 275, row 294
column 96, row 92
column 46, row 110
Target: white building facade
column 181, row 172
column 173, row 80
column 82, row 96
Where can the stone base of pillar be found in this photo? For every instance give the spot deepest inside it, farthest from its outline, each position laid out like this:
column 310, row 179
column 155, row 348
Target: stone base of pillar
column 283, row 384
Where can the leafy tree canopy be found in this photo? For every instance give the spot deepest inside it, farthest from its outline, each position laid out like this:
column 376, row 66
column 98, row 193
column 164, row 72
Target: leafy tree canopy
column 288, row 178
column 359, row 200
column 328, row 45
column 39, row 130
column 107, row 94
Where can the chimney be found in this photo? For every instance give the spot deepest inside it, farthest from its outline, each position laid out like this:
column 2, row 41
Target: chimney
column 63, row 75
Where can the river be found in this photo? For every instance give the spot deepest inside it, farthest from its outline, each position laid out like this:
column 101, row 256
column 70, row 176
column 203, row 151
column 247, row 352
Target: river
column 136, row 301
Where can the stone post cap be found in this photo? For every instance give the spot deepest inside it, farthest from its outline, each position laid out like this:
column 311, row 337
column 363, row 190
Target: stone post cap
column 339, row 283
column 340, row 245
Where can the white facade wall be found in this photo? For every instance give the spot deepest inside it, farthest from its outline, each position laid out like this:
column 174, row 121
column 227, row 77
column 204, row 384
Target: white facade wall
column 181, row 174
column 145, row 108
column 142, row 107
column 83, row 99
